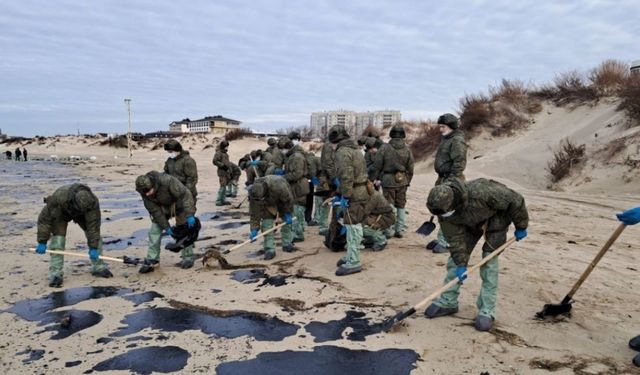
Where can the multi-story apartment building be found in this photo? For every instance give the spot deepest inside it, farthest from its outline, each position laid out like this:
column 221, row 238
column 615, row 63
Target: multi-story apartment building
column 355, row 122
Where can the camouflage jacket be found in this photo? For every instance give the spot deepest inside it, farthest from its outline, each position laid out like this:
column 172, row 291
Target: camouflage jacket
column 234, row 171
column 221, row 160
column 451, row 157
column 184, row 168
column 171, row 197
column 274, row 156
column 295, row 172
column 351, row 171
column 61, row 208
column 481, row 206
column 278, row 200
column 313, row 163
column 327, row 166
column 393, row 164
column 380, row 213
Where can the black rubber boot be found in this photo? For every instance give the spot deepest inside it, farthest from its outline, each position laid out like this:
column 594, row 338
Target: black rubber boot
column 439, row 249
column 148, row 266
column 636, row 360
column 343, row 271
column 269, row 255
column 340, row 262
column 185, row 264
column 105, row 273
column 312, row 223
column 56, row 282
column 378, row 247
column 634, row 343
column 432, row 244
column 483, row 323
column 289, row 248
column 435, row 311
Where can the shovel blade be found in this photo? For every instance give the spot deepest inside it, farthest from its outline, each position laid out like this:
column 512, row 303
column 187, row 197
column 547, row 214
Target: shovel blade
column 554, row 309
column 131, row 260
column 426, row 228
column 390, row 322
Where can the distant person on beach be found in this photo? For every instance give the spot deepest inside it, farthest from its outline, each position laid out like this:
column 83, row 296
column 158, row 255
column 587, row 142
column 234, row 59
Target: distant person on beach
column 24, row 154
column 8, row 154
column 17, row 153
column 75, row 203
column 632, row 217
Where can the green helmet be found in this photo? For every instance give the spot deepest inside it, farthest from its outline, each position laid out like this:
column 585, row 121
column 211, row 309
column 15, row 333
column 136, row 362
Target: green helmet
column 440, row 199
column 362, row 140
column 143, row 184
column 173, row 145
column 294, row 135
column 84, row 200
column 284, row 142
column 224, row 143
column 397, row 131
column 449, row 120
column 370, row 142
column 272, row 142
column 338, row 133
column 258, row 191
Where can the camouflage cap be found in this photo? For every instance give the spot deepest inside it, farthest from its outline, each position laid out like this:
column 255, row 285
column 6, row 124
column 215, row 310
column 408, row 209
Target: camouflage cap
column 255, row 154
column 449, row 120
column 370, row 142
column 172, row 145
column 440, row 199
column 284, row 142
column 362, row 140
column 338, row 133
column 397, row 131
column 143, row 184
column 84, row 200
column 272, row 141
column 257, row 191
column 224, row 143
column 294, row 135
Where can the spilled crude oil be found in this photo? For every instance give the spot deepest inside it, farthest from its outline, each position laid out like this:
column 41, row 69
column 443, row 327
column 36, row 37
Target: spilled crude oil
column 141, row 298
column 254, row 275
column 72, row 363
column 325, row 360
column 34, row 355
column 231, row 225
column 137, row 238
column 228, row 324
column 66, row 323
column 222, row 215
column 333, row 329
column 147, row 360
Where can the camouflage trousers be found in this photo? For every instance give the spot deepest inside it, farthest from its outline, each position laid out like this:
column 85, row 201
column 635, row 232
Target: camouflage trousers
column 269, row 242
column 298, row 224
column 354, row 240
column 155, row 237
column 376, row 235
column 321, row 213
column 56, row 264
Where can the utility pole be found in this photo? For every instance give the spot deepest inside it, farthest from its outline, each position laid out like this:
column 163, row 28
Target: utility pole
column 128, row 102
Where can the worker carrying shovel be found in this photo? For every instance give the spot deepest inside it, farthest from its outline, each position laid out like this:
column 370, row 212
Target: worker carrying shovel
column 467, row 212
column 70, row 202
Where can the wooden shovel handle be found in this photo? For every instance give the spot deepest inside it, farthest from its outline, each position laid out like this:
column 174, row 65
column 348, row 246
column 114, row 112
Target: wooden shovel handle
column 595, row 260
column 420, row 305
column 81, row 255
column 262, row 234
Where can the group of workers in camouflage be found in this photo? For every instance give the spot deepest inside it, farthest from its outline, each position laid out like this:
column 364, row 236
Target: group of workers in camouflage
column 347, row 179
column 19, row 155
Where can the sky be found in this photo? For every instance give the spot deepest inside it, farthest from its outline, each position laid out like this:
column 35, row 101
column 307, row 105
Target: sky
column 67, row 66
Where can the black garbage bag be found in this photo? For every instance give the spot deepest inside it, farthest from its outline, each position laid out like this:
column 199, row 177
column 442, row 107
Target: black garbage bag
column 183, row 236
column 336, row 237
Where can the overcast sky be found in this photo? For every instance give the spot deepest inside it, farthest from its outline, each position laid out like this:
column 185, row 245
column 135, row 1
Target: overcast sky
column 66, row 65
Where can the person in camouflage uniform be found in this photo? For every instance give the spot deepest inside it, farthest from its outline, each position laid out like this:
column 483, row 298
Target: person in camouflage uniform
column 450, row 161
column 468, row 212
column 380, row 216
column 295, row 172
column 270, row 197
column 393, row 170
column 70, row 202
column 235, row 173
column 221, row 160
column 316, row 167
column 181, row 166
column 326, row 178
column 273, row 156
column 312, row 176
column 164, row 196
column 351, row 183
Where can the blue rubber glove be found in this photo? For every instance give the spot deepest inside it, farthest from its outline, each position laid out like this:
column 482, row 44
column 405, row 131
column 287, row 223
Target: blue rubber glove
column 41, row 248
column 344, row 202
column 315, row 181
column 93, row 254
column 279, row 172
column 288, row 219
column 168, row 232
column 336, row 181
column 520, row 234
column 460, row 273
column 336, row 200
column 253, row 235
column 343, row 230
column 254, row 163
column 630, row 217
column 191, row 222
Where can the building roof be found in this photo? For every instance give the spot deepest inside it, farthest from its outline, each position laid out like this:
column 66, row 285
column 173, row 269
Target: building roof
column 218, row 118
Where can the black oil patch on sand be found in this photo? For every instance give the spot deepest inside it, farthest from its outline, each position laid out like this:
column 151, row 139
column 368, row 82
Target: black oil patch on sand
column 144, row 361
column 325, row 360
column 229, row 324
column 332, row 330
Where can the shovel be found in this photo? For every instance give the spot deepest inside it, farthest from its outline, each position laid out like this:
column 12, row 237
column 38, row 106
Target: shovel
column 564, row 307
column 125, row 259
column 390, row 322
column 260, row 235
column 241, row 202
column 427, row 227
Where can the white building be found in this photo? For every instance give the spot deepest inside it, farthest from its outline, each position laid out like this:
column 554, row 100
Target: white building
column 635, row 67
column 355, row 122
column 210, row 124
